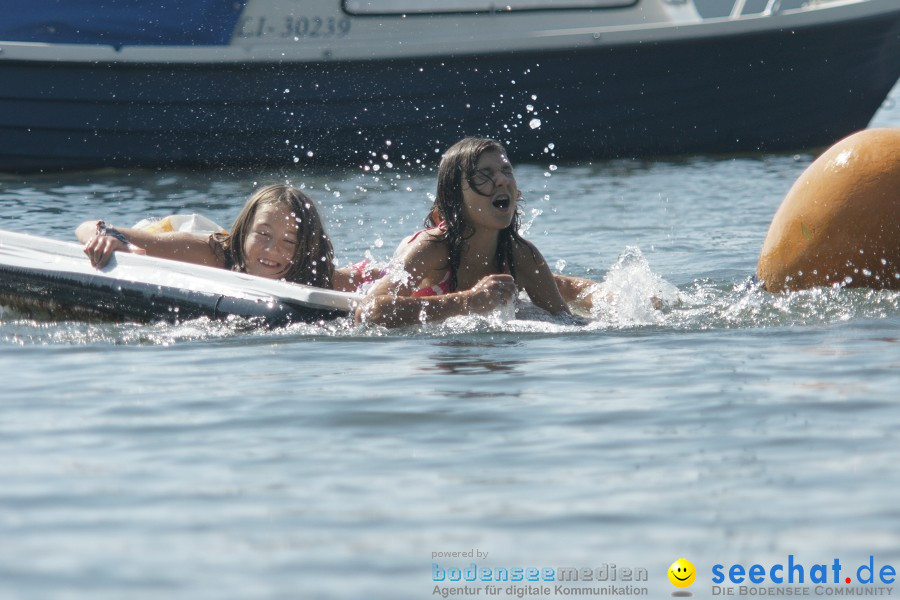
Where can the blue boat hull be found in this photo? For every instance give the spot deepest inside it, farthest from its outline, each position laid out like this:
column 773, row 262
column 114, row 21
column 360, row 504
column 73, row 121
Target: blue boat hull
column 780, row 91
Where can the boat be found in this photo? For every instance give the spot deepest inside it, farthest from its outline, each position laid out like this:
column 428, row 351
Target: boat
column 384, row 84
column 52, row 279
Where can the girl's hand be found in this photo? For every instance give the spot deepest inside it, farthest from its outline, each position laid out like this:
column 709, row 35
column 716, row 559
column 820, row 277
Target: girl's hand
column 100, row 248
column 491, row 293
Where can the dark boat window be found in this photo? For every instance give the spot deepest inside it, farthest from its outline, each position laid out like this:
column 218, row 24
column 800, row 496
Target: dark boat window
column 417, row 7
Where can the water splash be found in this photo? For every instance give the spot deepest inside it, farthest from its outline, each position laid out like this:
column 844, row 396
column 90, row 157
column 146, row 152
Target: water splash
column 631, row 294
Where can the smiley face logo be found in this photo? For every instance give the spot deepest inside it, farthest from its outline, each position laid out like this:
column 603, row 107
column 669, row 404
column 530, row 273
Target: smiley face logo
column 682, row 573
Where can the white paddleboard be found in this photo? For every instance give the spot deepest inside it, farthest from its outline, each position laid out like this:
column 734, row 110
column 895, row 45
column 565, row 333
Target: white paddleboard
column 55, row 278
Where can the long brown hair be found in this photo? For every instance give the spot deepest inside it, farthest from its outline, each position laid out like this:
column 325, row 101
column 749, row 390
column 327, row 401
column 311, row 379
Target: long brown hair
column 459, row 163
column 313, row 260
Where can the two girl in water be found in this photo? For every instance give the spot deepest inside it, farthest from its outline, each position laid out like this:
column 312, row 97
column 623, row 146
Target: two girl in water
column 840, row 223
column 470, row 259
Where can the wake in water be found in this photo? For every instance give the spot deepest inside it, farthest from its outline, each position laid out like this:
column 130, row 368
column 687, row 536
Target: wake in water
column 631, row 296
column 747, row 305
column 33, row 332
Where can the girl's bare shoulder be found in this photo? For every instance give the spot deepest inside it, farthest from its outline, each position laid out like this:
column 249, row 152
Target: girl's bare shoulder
column 524, row 252
column 426, row 248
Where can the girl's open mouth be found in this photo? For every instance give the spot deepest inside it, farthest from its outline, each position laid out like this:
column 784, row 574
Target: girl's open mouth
column 501, row 202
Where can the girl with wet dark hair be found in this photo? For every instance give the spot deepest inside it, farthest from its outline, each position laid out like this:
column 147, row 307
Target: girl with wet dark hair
column 471, row 258
column 459, row 167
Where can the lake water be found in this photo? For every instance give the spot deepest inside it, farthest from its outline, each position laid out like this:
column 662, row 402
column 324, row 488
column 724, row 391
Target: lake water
column 209, row 461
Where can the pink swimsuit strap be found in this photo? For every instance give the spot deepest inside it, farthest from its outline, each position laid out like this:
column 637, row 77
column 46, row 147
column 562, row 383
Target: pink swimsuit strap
column 366, row 272
column 442, row 287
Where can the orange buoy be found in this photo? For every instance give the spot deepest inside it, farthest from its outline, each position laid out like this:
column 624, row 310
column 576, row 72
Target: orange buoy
column 840, row 221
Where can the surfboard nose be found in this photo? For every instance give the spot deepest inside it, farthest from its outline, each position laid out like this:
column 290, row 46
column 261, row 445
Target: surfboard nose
column 840, row 221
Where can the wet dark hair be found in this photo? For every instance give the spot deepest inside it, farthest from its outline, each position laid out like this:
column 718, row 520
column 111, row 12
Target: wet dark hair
column 459, row 163
column 313, row 260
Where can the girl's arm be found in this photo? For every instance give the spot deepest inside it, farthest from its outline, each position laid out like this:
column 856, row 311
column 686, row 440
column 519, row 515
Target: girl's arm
column 344, row 279
column 184, row 247
column 390, row 301
column 352, row 277
column 388, row 310
column 577, row 291
column 533, row 274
